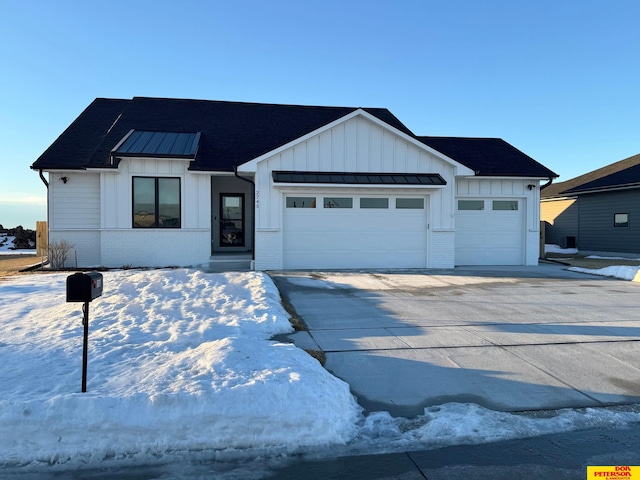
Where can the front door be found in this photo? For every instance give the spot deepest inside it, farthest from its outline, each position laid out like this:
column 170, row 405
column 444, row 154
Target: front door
column 232, row 220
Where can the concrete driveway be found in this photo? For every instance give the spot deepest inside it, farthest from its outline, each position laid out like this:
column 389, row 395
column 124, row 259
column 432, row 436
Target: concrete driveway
column 507, row 338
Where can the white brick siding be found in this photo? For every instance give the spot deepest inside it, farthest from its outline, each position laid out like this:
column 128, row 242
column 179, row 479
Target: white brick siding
column 442, row 246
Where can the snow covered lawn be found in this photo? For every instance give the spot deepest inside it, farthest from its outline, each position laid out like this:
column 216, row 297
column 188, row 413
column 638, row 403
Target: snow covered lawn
column 181, row 366
column 179, row 360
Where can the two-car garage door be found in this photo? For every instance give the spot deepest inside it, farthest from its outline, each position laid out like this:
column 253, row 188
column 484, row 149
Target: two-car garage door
column 355, row 231
column 490, row 232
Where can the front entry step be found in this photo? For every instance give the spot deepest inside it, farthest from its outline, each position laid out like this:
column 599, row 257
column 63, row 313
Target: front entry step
column 230, row 263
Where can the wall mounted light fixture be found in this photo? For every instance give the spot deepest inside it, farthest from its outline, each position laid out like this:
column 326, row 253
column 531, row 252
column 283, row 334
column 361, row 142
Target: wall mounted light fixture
column 64, row 179
column 531, row 186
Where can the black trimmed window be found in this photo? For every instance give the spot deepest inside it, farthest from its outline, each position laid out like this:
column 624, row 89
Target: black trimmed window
column 156, row 202
column 621, row 220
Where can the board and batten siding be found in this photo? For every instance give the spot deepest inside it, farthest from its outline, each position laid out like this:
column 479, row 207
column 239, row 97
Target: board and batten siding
column 597, row 232
column 117, row 191
column 356, row 145
column 155, row 247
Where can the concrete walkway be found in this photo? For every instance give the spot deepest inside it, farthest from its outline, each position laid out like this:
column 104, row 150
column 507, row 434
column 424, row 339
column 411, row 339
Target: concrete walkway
column 506, row 338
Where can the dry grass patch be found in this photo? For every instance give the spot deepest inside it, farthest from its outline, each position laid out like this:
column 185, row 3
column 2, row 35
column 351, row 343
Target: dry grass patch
column 593, row 263
column 12, row 264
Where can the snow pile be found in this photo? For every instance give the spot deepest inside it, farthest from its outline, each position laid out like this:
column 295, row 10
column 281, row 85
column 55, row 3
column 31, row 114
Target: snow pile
column 179, row 360
column 623, row 272
column 552, row 248
column 470, row 424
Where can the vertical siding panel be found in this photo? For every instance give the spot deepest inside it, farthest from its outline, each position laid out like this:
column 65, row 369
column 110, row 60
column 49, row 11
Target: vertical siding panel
column 325, row 150
column 338, row 147
column 375, row 152
column 286, row 159
column 350, row 145
column 412, row 159
column 388, row 151
column 300, row 156
column 364, row 139
column 313, row 153
column 400, row 155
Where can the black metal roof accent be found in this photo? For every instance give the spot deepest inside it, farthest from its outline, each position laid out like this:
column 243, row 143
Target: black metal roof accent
column 351, row 178
column 139, row 143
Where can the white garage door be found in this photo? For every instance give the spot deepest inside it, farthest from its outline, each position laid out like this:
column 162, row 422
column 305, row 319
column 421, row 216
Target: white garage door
column 355, row 231
column 490, row 232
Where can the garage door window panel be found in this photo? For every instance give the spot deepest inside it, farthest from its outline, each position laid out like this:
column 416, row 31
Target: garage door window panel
column 505, row 205
column 374, row 202
column 301, row 202
column 338, row 202
column 410, row 203
column 470, row 205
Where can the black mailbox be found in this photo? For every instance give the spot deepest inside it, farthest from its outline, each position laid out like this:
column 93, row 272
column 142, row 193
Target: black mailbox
column 84, row 287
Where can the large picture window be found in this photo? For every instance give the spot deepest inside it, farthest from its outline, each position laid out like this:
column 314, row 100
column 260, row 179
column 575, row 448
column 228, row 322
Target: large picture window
column 156, row 202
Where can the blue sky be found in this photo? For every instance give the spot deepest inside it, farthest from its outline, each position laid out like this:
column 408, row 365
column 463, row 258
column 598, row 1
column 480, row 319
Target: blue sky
column 560, row 80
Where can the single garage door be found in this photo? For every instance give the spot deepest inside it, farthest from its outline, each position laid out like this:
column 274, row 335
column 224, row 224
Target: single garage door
column 355, row 231
column 490, row 232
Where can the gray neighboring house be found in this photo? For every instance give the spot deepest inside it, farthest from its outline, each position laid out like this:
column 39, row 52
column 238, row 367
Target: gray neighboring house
column 598, row 212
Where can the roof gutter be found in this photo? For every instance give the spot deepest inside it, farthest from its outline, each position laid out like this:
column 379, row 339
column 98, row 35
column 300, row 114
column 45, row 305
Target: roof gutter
column 547, row 184
column 253, row 217
column 44, row 180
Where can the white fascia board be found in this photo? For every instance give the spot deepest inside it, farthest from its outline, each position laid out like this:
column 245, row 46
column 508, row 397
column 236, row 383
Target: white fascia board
column 528, row 179
column 251, row 165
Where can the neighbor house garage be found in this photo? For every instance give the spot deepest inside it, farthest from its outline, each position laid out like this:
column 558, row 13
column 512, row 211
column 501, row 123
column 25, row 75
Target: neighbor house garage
column 168, row 182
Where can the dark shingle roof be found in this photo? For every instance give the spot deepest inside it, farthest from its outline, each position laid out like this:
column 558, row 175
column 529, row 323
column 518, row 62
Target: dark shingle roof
column 624, row 173
column 75, row 147
column 232, row 133
column 489, row 157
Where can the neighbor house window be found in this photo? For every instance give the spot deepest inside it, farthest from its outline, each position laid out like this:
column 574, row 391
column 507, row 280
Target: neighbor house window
column 301, row 202
column 505, row 205
column 470, row 204
column 156, row 202
column 374, row 203
column 338, row 202
column 620, row 219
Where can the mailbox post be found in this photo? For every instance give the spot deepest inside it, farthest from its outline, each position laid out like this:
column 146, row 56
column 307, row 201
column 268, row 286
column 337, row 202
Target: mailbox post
column 84, row 287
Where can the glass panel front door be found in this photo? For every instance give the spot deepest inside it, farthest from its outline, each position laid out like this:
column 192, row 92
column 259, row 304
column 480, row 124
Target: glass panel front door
column 231, row 220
